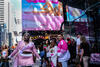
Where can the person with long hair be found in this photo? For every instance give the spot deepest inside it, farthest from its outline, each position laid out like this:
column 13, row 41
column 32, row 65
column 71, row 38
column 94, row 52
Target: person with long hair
column 24, row 52
column 85, row 51
column 53, row 52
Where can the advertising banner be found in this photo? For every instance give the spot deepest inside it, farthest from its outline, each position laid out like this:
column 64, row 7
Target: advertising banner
column 73, row 13
column 41, row 14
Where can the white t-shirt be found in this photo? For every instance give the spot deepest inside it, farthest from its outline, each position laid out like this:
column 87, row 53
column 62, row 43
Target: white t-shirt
column 47, row 49
column 53, row 55
column 78, row 42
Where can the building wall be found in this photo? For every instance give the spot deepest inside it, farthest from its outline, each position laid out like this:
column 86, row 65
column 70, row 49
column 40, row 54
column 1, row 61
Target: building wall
column 15, row 19
column 3, row 20
column 1, row 11
column 10, row 17
column 6, row 12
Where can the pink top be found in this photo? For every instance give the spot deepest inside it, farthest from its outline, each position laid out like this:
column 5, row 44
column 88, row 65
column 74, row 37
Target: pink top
column 23, row 60
column 62, row 47
column 62, row 50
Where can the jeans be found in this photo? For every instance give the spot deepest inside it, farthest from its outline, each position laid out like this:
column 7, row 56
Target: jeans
column 64, row 64
column 4, row 64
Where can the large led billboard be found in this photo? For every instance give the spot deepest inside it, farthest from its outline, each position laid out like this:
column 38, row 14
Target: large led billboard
column 42, row 14
column 74, row 13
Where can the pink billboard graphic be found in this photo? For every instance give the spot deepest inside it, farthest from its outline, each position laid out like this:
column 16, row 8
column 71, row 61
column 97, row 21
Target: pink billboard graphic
column 41, row 14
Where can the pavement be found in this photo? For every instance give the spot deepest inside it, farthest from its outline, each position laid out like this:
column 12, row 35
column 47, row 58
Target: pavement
column 37, row 64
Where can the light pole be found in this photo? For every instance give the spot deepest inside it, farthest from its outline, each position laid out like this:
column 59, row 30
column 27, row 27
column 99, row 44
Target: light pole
column 9, row 33
column 64, row 12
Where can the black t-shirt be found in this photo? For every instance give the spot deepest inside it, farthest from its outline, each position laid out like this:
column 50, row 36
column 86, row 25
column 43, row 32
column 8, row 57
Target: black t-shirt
column 85, row 47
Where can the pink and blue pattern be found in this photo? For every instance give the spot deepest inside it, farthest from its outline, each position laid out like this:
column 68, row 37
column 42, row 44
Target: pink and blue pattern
column 39, row 21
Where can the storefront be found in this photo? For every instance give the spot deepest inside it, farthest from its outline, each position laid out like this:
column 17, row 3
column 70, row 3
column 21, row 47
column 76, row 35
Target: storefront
column 39, row 36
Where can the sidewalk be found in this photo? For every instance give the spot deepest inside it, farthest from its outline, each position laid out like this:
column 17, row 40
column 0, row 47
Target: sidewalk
column 37, row 64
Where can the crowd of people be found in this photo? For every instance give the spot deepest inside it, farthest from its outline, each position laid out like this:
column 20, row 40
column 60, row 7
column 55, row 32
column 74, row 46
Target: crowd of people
column 61, row 53
column 54, row 52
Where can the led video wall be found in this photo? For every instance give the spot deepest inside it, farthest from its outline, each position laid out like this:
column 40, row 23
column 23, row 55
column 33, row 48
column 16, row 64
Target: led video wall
column 41, row 14
column 73, row 13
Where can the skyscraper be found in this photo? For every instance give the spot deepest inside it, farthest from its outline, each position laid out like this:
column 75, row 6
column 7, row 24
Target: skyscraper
column 1, row 11
column 3, row 20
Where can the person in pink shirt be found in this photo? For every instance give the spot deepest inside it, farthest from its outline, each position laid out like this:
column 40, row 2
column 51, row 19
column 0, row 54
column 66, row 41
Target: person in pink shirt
column 62, row 50
column 24, row 52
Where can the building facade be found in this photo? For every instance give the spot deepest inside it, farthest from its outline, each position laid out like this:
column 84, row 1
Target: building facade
column 3, row 21
column 10, row 22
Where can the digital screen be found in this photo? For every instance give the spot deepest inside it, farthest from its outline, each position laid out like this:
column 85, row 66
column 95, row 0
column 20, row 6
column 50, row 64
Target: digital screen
column 73, row 13
column 42, row 14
